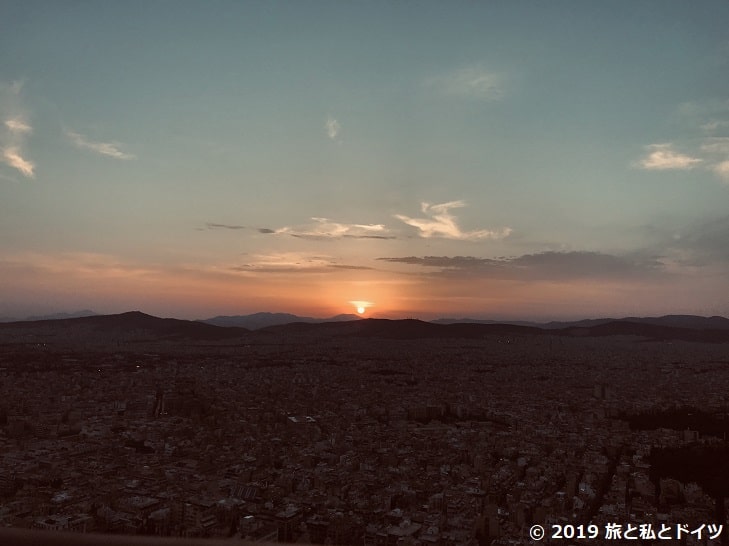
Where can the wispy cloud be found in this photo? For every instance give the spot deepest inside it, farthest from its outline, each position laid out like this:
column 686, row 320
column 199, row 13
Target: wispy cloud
column 441, row 223
column 285, row 261
column 18, row 125
column 474, row 81
column 710, row 117
column 450, row 262
column 332, row 127
column 539, row 266
column 293, row 262
column 353, row 267
column 662, row 157
column 15, row 129
column 109, row 149
column 211, row 225
column 323, row 228
column 11, row 156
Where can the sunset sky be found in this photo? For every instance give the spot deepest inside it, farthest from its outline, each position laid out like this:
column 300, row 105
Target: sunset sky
column 504, row 160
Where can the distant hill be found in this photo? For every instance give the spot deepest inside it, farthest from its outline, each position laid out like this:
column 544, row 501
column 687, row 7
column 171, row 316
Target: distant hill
column 648, row 330
column 417, row 329
column 139, row 327
column 168, row 327
column 52, row 316
column 133, row 325
column 487, row 321
column 58, row 316
column 401, row 329
column 676, row 321
column 257, row 321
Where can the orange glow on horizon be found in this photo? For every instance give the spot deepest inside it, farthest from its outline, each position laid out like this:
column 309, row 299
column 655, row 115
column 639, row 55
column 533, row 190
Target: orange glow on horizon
column 112, row 284
column 361, row 306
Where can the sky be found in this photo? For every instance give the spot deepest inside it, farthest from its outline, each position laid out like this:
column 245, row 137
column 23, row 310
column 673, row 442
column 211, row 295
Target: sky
column 503, row 159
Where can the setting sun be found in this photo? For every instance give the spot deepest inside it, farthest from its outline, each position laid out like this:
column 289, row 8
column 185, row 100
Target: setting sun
column 361, row 306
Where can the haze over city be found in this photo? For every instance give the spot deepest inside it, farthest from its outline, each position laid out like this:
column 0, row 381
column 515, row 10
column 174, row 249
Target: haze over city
column 520, row 160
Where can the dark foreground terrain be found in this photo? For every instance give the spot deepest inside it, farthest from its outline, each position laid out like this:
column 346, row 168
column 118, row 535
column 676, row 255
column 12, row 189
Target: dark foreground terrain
column 363, row 432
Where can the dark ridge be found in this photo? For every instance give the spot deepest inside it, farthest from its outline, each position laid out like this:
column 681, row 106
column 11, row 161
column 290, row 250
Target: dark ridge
column 254, row 321
column 137, row 324
column 417, row 329
column 380, row 328
column 487, row 321
column 677, row 321
column 132, row 322
column 674, row 321
column 257, row 321
column 476, row 330
column 402, row 329
column 59, row 316
column 396, row 329
column 651, row 331
column 327, row 328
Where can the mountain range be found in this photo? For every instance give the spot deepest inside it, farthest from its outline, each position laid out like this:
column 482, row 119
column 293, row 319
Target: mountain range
column 678, row 321
column 135, row 326
column 263, row 320
column 257, row 321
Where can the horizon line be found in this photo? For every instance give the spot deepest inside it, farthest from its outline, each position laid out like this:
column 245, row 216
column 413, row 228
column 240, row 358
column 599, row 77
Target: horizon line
column 86, row 313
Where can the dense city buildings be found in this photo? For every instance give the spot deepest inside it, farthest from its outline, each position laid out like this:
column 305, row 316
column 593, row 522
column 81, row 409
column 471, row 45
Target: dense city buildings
column 305, row 436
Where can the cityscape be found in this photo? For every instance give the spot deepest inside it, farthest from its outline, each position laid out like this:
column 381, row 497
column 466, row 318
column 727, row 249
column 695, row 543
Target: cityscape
column 358, row 432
